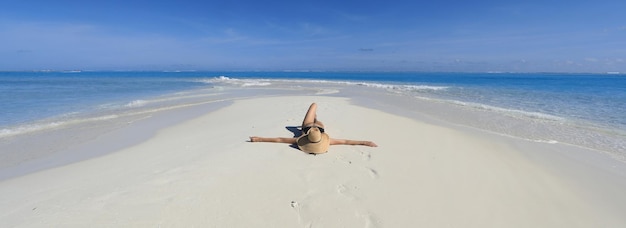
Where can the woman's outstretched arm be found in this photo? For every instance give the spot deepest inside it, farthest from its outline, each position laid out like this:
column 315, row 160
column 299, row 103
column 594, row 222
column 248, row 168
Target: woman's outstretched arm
column 352, row 142
column 274, row 140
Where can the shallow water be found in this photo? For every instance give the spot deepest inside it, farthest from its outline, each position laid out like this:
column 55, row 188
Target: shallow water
column 581, row 110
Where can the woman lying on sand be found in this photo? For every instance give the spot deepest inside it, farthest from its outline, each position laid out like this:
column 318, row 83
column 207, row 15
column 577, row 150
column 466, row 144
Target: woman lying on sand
column 313, row 140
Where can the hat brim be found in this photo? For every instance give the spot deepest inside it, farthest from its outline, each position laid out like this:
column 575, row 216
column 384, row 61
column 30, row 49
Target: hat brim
column 314, row 147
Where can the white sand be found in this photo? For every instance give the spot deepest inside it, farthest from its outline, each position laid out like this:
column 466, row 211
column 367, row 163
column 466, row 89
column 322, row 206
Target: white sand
column 204, row 173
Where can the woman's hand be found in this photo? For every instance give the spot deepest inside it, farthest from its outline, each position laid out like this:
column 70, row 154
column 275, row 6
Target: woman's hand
column 370, row 143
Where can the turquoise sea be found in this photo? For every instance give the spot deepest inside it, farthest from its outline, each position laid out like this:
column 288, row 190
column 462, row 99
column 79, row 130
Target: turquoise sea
column 587, row 110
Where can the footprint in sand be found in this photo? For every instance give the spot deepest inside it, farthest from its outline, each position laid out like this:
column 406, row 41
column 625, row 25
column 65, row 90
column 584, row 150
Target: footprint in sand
column 373, row 173
column 296, row 206
column 344, row 191
column 370, row 221
column 343, row 159
column 341, row 188
column 366, row 156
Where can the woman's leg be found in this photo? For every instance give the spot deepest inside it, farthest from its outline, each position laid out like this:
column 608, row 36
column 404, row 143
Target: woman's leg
column 311, row 116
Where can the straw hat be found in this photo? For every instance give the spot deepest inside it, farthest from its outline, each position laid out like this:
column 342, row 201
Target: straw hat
column 314, row 141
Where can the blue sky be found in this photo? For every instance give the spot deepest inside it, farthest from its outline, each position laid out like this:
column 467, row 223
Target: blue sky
column 518, row 36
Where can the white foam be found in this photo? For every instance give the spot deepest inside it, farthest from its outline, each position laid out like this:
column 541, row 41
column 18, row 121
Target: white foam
column 136, row 103
column 546, row 141
column 423, row 87
column 510, row 112
column 255, row 83
column 327, row 91
column 398, row 87
column 107, row 117
column 236, row 82
column 7, row 132
column 267, row 82
column 30, row 128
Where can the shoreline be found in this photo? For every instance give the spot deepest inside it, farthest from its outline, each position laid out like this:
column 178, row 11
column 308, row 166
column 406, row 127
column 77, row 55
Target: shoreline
column 608, row 142
column 528, row 125
column 60, row 147
column 199, row 170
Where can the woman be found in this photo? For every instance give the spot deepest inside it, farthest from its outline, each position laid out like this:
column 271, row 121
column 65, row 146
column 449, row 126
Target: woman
column 313, row 139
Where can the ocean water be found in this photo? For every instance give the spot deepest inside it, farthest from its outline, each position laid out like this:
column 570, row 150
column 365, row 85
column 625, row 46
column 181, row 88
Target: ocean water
column 586, row 110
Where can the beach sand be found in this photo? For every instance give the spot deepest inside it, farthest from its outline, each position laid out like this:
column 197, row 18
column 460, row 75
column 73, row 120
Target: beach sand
column 203, row 172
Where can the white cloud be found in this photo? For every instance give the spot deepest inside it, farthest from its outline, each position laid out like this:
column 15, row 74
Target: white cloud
column 352, row 17
column 313, row 30
column 51, row 45
column 229, row 35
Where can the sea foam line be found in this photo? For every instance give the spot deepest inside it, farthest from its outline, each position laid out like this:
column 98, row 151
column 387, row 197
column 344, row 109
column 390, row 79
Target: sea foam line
column 71, row 119
column 235, row 81
column 267, row 82
column 30, row 128
column 160, row 100
column 398, row 88
column 507, row 111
